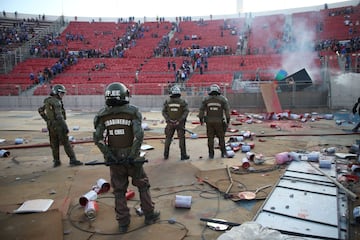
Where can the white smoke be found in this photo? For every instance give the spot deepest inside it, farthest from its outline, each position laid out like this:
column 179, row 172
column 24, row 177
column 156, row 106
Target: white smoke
column 302, row 54
column 344, row 90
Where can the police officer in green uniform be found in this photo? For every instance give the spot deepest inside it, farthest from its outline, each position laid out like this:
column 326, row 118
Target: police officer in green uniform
column 54, row 114
column 119, row 135
column 212, row 111
column 175, row 111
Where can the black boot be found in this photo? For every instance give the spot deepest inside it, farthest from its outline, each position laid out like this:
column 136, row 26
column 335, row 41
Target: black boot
column 124, row 227
column 75, row 162
column 151, row 218
column 185, row 157
column 57, row 163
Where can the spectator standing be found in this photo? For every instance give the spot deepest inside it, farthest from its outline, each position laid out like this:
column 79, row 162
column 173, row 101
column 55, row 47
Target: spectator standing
column 32, row 78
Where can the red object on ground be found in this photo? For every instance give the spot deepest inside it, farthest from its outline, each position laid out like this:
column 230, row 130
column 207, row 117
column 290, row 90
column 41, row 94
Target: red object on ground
column 236, row 123
column 130, row 194
column 351, row 178
column 234, row 112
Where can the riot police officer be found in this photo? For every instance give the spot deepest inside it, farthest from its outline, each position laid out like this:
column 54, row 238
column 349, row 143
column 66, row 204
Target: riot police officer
column 214, row 111
column 54, row 114
column 119, row 135
column 175, row 111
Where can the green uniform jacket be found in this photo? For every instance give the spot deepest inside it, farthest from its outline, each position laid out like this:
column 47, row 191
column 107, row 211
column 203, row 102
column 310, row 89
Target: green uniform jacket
column 119, row 127
column 54, row 114
column 213, row 109
column 175, row 109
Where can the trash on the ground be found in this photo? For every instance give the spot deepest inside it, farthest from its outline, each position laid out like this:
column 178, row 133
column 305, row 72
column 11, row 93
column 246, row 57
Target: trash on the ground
column 249, row 231
column 282, row 158
column 91, row 209
column 52, row 191
column 345, row 155
column 89, row 196
column 215, row 225
column 4, row 153
column 145, row 126
column 19, row 140
column 146, row 147
column 182, row 201
column 36, row 205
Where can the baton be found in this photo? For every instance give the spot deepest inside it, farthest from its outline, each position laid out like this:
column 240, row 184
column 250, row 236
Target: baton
column 95, row 162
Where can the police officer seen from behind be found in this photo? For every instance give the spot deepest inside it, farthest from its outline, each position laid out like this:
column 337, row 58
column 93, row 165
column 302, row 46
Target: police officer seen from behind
column 214, row 111
column 175, row 111
column 119, row 135
column 54, row 114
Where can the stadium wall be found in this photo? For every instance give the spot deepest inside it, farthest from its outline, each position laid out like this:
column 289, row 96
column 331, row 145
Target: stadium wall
column 242, row 101
column 339, row 93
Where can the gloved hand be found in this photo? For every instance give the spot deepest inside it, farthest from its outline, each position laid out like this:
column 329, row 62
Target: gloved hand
column 110, row 158
column 48, row 124
column 225, row 126
column 64, row 127
column 174, row 122
column 201, row 121
column 131, row 160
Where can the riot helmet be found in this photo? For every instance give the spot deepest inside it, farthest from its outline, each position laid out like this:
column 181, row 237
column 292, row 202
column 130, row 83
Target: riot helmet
column 57, row 89
column 175, row 92
column 214, row 90
column 116, row 94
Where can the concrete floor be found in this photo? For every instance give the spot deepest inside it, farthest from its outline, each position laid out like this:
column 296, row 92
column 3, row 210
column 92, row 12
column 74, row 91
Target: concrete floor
column 28, row 174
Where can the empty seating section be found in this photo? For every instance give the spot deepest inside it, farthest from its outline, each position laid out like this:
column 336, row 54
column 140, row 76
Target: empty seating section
column 161, row 64
column 266, row 34
column 89, row 70
column 74, row 89
column 84, row 78
column 148, row 88
column 19, row 78
column 146, row 74
column 204, row 34
column 92, row 35
column 208, row 79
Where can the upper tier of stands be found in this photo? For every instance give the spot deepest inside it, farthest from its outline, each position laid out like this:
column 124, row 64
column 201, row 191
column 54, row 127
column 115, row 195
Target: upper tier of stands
column 129, row 51
column 199, row 34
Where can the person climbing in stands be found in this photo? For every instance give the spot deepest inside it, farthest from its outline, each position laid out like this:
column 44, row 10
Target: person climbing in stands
column 121, row 124
column 175, row 111
column 357, row 104
column 54, row 114
column 212, row 111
